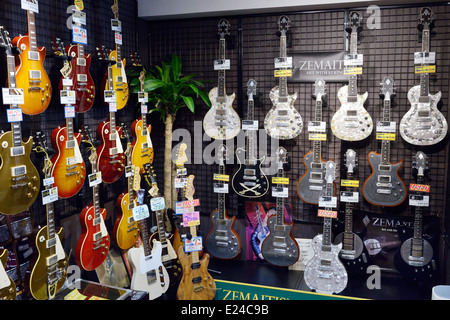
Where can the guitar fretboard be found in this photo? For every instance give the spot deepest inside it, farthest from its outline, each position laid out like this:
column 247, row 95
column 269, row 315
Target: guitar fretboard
column 417, row 242
column 347, row 243
column 221, row 196
column 32, row 30
column 317, row 145
column 15, row 126
column 424, row 78
column 251, row 135
column 282, row 94
column 280, row 201
column 352, row 83
column 221, row 79
column 385, row 144
column 326, row 235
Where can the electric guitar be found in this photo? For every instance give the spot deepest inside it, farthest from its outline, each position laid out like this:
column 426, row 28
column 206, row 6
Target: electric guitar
column 416, row 259
column 111, row 158
column 19, row 178
column 126, row 230
column 50, row 270
column 280, row 247
column 221, row 122
column 7, row 285
column 222, row 241
column 30, row 72
column 353, row 254
column 352, row 122
column 384, row 187
column 424, row 124
column 149, row 273
column 169, row 256
column 93, row 244
column 142, row 151
column 283, row 121
column 324, row 273
column 196, row 282
column 250, row 181
column 119, row 76
column 82, row 81
column 312, row 184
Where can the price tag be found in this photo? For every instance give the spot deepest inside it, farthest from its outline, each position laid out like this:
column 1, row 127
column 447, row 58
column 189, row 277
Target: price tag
column 419, row 187
column 250, row 125
column 425, row 69
column 283, row 62
column 193, row 244
column 191, row 219
column 386, row 126
column 352, row 70
column 143, row 97
column 67, row 97
column 347, row 196
column 79, row 4
column 67, row 82
column 49, row 195
column 353, row 60
column 157, row 204
column 419, row 200
column 78, row 17
column 110, row 96
column 66, row 69
column 129, row 171
column 385, row 136
column 424, row 57
column 116, row 25
column 180, row 183
column 182, row 172
column 79, row 35
column 317, row 126
column 327, row 214
column 221, row 177
column 112, row 107
column 328, row 202
column 280, row 180
column 48, row 181
column 220, row 187
column 95, row 178
column 13, row 96
column 30, row 5
column 350, row 183
column 144, row 108
column 140, row 212
column 280, row 192
column 181, row 206
column 69, row 112
column 14, row 115
column 118, row 38
column 222, row 64
column 282, row 73
column 317, row 136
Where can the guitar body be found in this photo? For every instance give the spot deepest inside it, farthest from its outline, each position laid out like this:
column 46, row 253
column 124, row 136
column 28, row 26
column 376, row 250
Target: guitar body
column 283, row 121
column 39, row 279
column 331, row 279
column 158, row 284
column 142, row 145
column 230, row 119
column 351, row 122
column 82, row 81
column 222, row 241
column 249, row 180
column 90, row 253
column 423, row 124
column 36, row 101
column 187, row 290
column 126, row 231
column 111, row 166
column 355, row 262
column 379, row 192
column 424, row 270
column 68, row 178
column 7, row 285
column 17, row 196
column 121, row 87
column 281, row 253
column 312, row 184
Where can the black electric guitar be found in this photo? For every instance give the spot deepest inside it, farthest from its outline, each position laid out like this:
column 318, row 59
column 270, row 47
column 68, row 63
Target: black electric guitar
column 353, row 254
column 416, row 259
column 222, row 241
column 279, row 247
column 250, row 181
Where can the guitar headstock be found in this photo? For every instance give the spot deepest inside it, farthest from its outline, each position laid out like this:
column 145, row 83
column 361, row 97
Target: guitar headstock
column 5, row 41
column 330, row 171
column 283, row 25
column 58, row 47
column 281, row 157
column 126, row 135
column 115, row 9
column 181, row 157
column 136, row 59
column 189, row 188
column 426, row 18
column 320, row 89
column 354, row 22
column 224, row 28
column 251, row 88
column 351, row 160
column 420, row 163
column 387, row 88
column 222, row 154
column 41, row 144
column 87, row 135
column 103, row 53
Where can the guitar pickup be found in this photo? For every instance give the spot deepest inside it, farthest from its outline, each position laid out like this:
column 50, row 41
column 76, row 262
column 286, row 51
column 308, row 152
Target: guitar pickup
column 222, row 244
column 423, row 127
column 320, row 181
column 112, row 136
column 119, row 65
column 119, row 80
column 384, row 185
column 348, row 254
column 52, row 260
column 96, row 221
column 384, row 191
column 221, row 99
column 70, row 144
column 97, row 236
column 35, row 74
column 249, row 178
column 282, row 112
column 17, row 151
column 219, row 118
column 278, row 250
column 113, row 151
column 386, row 168
column 249, row 184
column 145, row 145
column 423, row 113
column 71, row 161
column 316, row 176
column 384, row 179
column 350, row 125
column 81, row 62
column 282, row 124
column 286, row 118
column 51, row 242
column 18, row 171
column 33, row 55
column 279, row 242
column 130, row 219
column 249, row 172
column 221, row 238
column 82, row 77
column 315, row 165
column 423, row 119
column 315, row 188
column 221, row 112
column 221, row 123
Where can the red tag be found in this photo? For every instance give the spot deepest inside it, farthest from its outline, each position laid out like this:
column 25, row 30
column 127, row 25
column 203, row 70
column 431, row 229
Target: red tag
column 419, row 187
column 327, row 213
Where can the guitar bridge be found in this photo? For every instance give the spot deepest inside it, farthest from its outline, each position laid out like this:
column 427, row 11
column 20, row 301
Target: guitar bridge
column 17, row 151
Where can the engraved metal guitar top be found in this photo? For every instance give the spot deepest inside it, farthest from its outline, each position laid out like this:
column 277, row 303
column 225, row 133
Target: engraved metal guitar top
column 221, row 122
column 283, row 121
column 423, row 124
column 352, row 122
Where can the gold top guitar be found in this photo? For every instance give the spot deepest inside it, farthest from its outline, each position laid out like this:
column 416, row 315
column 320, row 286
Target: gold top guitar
column 19, row 178
column 31, row 75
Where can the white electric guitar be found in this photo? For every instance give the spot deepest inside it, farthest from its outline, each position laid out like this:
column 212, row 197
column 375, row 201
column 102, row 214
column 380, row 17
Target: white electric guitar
column 352, row 122
column 423, row 124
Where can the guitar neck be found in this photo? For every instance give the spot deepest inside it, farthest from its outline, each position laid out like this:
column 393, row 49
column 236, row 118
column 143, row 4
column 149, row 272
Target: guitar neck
column 282, row 94
column 80, row 49
column 251, row 135
column 50, row 220
column 417, row 243
column 424, row 78
column 353, row 81
column 144, row 115
column 15, row 126
column 347, row 243
column 385, row 144
column 145, row 237
column 317, row 145
column 326, row 235
column 280, row 202
column 221, row 79
column 221, row 196
column 32, row 31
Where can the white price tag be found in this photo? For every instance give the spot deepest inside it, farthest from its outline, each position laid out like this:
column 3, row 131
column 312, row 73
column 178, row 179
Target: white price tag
column 419, row 200
column 157, row 204
column 67, row 82
column 48, row 181
column 67, row 97
column 144, row 108
column 250, row 125
column 180, row 183
column 78, row 17
column 79, row 35
column 143, row 97
column 353, row 60
column 13, row 96
column 317, row 126
column 140, row 212
column 49, row 195
column 110, row 96
column 328, row 202
column 191, row 219
column 220, row 187
column 424, row 57
column 69, row 112
column 280, row 192
column 386, row 126
column 31, row 5
column 95, row 178
column 348, row 196
column 283, row 63
column 112, row 107
column 14, row 115
column 118, row 38
column 222, row 64
column 194, row 244
column 116, row 25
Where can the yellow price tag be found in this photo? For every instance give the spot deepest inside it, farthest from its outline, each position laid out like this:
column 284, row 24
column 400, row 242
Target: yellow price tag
column 79, row 4
column 353, row 70
column 424, row 69
column 283, row 73
column 385, row 136
column 318, row 136
column 221, row 177
column 280, row 180
column 350, row 183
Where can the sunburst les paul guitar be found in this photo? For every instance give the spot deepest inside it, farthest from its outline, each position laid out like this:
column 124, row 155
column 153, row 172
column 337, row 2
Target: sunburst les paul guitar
column 19, row 178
